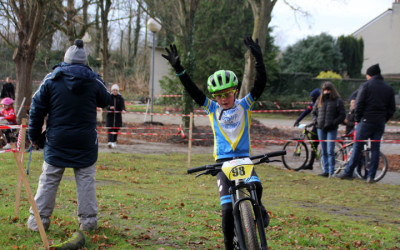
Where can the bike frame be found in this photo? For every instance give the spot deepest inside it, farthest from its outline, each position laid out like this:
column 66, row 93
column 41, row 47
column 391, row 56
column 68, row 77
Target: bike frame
column 309, row 133
column 237, row 197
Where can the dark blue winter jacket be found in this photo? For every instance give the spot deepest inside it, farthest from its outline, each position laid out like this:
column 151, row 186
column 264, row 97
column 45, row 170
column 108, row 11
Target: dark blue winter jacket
column 69, row 97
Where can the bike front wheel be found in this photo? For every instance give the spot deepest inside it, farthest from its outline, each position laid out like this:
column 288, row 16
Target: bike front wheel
column 296, row 155
column 363, row 169
column 248, row 225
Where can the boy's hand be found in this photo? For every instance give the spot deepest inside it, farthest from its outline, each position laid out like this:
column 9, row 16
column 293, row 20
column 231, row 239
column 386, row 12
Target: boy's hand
column 254, row 48
column 172, row 56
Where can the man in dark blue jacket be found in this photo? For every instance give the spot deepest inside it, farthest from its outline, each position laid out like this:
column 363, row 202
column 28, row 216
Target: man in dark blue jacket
column 375, row 105
column 68, row 97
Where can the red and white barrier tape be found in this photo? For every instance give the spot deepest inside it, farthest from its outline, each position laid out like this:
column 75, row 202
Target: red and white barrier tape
column 168, row 95
column 12, row 126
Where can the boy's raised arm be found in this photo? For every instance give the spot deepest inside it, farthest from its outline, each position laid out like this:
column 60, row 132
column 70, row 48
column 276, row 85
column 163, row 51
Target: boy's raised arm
column 173, row 58
column 261, row 75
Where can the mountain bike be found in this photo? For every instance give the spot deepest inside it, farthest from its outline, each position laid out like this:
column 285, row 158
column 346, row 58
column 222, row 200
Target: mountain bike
column 247, row 214
column 297, row 150
column 361, row 171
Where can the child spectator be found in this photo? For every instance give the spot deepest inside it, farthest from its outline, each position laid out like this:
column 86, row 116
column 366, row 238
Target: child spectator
column 349, row 121
column 114, row 116
column 314, row 95
column 8, row 114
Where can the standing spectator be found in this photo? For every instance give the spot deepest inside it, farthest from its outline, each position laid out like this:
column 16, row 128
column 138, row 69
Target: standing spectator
column 328, row 113
column 349, row 121
column 375, row 105
column 314, row 96
column 114, row 116
column 68, row 96
column 8, row 114
column 8, row 89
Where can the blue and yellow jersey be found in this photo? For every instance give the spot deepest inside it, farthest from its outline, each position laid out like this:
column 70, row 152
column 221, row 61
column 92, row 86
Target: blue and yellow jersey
column 232, row 128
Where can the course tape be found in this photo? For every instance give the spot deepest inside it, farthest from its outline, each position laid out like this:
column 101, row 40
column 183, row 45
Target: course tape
column 12, row 126
column 255, row 125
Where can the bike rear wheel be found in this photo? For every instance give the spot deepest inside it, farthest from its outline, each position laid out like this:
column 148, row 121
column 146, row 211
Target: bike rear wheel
column 248, row 225
column 363, row 170
column 296, row 156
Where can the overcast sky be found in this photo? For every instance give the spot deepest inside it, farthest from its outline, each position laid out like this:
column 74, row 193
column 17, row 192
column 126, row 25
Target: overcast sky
column 335, row 17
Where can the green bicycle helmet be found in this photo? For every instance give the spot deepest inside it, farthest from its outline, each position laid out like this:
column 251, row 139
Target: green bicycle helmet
column 220, row 80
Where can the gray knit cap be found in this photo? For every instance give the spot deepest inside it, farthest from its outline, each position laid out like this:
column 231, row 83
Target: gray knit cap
column 76, row 53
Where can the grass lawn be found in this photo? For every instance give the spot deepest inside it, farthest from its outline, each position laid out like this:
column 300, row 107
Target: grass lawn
column 149, row 202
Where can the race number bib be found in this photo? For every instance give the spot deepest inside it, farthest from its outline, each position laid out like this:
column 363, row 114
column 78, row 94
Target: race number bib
column 238, row 169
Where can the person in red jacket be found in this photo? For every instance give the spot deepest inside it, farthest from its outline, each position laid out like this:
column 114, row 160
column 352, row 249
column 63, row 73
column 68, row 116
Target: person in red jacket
column 8, row 114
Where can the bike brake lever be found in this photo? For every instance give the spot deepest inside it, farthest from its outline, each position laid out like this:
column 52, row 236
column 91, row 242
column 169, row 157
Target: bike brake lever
column 202, row 173
column 275, row 161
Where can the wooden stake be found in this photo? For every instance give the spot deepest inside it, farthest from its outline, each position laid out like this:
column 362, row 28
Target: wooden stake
column 31, row 199
column 19, row 180
column 190, row 138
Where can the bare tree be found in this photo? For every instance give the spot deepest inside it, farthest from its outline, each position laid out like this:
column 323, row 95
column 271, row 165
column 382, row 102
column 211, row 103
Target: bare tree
column 262, row 10
column 30, row 22
column 178, row 18
column 105, row 7
column 76, row 21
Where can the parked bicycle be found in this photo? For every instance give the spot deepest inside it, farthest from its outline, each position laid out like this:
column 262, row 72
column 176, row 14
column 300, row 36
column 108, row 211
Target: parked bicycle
column 343, row 157
column 297, row 150
column 247, row 214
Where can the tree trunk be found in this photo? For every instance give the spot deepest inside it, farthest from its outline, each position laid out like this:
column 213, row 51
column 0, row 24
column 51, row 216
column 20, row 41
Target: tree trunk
column 262, row 10
column 188, row 15
column 23, row 60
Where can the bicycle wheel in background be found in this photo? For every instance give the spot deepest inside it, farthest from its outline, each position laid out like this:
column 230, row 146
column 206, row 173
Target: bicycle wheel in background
column 363, row 169
column 296, row 155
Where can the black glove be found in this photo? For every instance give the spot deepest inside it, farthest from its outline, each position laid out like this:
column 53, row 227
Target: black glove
column 296, row 124
column 172, row 57
column 254, row 48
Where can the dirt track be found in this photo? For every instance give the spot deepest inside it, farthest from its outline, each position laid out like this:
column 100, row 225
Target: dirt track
column 145, row 147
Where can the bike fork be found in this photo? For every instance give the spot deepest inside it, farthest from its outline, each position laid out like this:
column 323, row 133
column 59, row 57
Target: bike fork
column 236, row 200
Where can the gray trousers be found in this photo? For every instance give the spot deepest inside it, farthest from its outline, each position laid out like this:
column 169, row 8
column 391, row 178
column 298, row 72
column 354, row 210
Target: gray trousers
column 45, row 197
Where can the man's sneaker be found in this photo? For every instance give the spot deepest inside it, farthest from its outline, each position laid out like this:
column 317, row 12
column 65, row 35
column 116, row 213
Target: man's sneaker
column 114, row 145
column 32, row 225
column 87, row 228
column 324, row 175
column 346, row 177
column 7, row 146
column 109, row 145
column 370, row 180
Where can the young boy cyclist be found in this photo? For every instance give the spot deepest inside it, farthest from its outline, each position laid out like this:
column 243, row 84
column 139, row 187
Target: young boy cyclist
column 230, row 120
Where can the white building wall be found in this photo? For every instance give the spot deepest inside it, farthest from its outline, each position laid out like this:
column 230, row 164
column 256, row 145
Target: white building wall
column 381, row 41
column 161, row 68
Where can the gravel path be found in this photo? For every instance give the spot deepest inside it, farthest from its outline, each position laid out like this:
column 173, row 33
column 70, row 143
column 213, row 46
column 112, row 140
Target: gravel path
column 144, row 147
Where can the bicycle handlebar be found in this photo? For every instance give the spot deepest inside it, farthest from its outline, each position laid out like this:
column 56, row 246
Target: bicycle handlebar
column 213, row 166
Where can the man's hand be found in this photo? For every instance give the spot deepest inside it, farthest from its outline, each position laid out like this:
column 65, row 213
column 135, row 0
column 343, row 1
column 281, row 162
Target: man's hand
column 34, row 145
column 172, row 57
column 254, row 48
